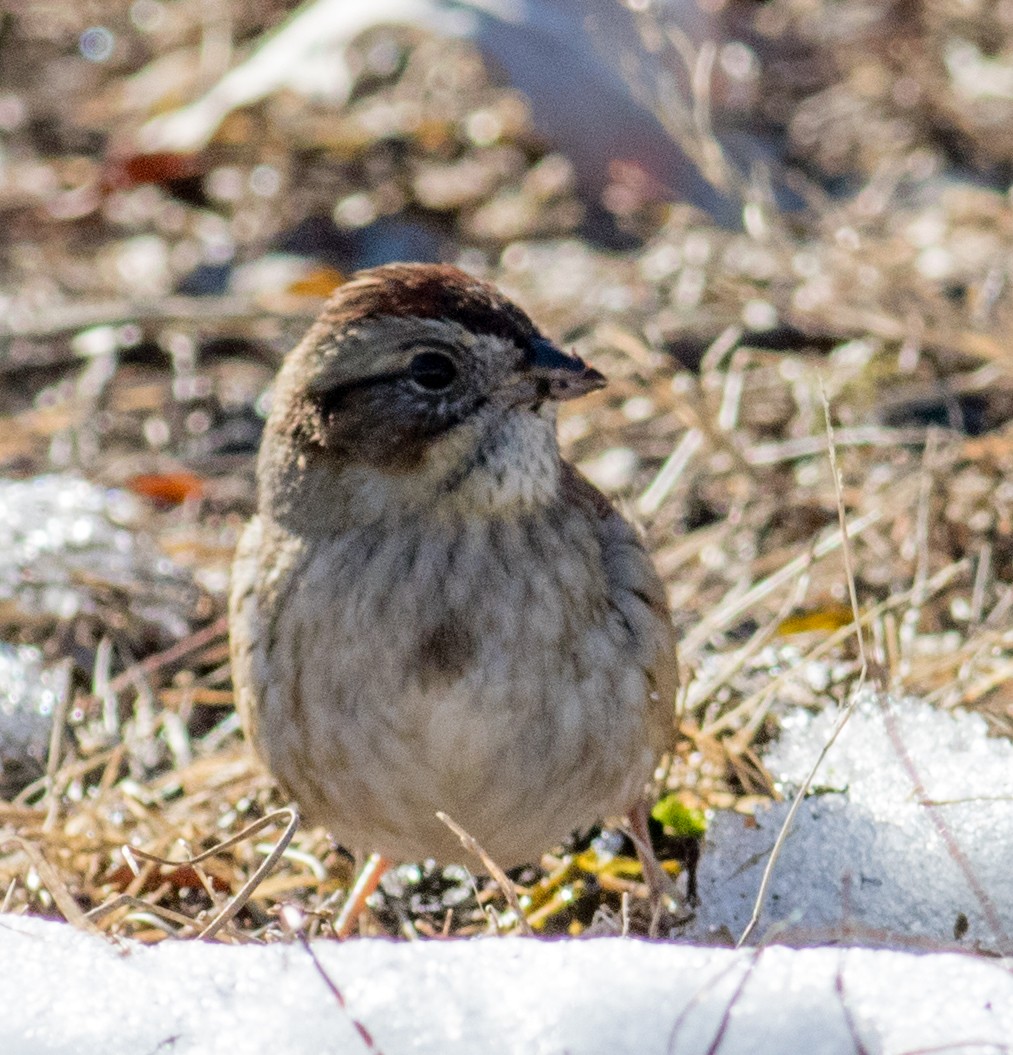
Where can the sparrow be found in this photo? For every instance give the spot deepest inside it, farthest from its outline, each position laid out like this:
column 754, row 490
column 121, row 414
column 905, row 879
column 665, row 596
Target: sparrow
column 432, row 610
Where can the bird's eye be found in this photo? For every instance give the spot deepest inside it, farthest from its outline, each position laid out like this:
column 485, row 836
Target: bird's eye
column 433, row 371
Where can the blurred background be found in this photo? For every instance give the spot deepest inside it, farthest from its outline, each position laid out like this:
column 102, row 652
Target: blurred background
column 736, row 209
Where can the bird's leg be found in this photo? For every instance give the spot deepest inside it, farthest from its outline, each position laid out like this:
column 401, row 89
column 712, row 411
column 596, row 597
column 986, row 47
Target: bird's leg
column 366, row 882
column 657, row 879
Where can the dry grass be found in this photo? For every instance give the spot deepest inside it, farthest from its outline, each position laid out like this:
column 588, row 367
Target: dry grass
column 894, row 297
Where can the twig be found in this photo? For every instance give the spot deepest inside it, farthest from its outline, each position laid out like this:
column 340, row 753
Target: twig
column 695, row 696
column 807, row 446
column 849, row 1018
column 471, row 844
column 944, row 832
column 291, row 920
column 730, row 610
column 236, row 904
column 150, row 664
column 846, row 711
column 789, row 820
column 981, row 577
column 215, row 311
column 697, row 998
column 842, row 520
column 757, row 702
column 57, row 888
column 131, row 901
column 672, row 468
column 912, row 616
column 55, row 747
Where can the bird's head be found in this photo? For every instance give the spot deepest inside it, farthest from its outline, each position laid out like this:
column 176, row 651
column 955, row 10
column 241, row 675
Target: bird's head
column 427, row 381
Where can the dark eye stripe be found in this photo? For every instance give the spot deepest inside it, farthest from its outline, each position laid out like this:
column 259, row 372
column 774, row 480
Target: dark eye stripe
column 331, row 398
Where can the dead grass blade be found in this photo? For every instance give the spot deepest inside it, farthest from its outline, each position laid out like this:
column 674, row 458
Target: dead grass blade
column 848, row 709
column 471, row 844
column 236, row 904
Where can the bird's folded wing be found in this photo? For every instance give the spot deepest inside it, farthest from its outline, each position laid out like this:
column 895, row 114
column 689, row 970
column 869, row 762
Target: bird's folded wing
column 636, row 590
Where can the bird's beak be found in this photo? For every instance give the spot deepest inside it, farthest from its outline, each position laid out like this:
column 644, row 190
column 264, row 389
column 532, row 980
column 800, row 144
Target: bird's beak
column 559, row 376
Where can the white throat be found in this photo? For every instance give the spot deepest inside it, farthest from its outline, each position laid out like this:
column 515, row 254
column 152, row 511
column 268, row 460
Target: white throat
column 498, row 465
column 515, row 466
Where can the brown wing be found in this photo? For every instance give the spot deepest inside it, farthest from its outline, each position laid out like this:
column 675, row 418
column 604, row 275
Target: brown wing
column 634, row 583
